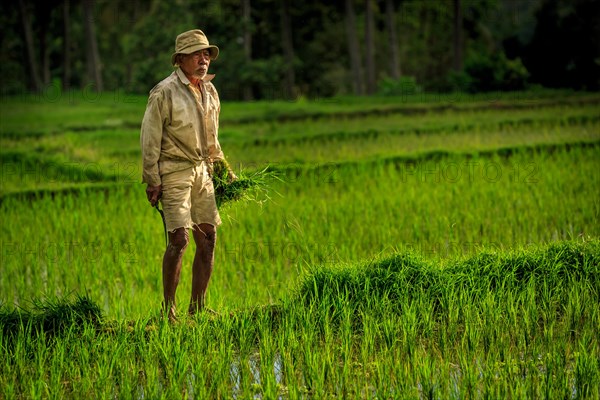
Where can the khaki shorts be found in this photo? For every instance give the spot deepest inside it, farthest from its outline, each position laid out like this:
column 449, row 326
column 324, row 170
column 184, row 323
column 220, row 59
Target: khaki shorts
column 188, row 198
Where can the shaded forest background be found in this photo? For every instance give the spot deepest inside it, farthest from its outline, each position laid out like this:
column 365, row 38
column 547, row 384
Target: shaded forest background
column 281, row 49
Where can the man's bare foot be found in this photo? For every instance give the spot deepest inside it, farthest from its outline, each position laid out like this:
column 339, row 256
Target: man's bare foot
column 170, row 314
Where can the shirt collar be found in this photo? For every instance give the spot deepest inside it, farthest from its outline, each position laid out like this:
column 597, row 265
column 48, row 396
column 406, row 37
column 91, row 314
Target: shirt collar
column 184, row 79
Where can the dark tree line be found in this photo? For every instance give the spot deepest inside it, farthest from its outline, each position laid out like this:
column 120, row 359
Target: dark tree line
column 285, row 49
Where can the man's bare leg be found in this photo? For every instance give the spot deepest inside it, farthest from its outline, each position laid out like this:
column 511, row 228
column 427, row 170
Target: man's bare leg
column 171, row 270
column 205, row 236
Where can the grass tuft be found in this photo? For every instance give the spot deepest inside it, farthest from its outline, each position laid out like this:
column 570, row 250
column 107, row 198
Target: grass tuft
column 50, row 315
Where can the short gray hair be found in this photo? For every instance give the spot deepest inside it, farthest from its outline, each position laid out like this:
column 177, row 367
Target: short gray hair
column 178, row 57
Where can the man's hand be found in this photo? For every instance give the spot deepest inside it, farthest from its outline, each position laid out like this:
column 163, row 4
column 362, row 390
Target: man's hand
column 153, row 193
column 231, row 176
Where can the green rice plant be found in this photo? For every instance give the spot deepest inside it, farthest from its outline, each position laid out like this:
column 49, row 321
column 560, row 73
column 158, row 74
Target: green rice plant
column 246, row 186
column 587, row 367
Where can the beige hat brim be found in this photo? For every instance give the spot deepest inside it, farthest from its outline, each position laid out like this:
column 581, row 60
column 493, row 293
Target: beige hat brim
column 214, row 51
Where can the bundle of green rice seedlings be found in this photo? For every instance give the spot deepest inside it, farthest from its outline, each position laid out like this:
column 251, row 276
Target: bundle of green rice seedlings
column 50, row 315
column 247, row 186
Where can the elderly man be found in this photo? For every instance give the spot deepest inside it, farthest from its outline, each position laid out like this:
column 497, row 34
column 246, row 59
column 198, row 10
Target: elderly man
column 179, row 139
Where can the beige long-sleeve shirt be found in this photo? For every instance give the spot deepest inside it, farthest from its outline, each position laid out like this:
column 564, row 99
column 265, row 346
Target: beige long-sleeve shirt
column 180, row 128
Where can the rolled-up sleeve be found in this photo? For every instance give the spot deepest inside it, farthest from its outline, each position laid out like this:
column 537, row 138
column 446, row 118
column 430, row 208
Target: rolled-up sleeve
column 151, row 137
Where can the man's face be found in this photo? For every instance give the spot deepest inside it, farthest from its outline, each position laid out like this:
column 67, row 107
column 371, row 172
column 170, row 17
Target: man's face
column 196, row 64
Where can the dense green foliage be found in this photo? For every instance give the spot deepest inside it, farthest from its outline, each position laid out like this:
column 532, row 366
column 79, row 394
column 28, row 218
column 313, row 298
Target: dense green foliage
column 505, row 45
column 410, row 248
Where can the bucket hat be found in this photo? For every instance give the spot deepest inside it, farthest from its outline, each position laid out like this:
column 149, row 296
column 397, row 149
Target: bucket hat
column 192, row 41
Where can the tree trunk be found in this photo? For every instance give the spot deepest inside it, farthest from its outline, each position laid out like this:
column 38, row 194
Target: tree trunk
column 370, row 46
column 34, row 75
column 354, row 49
column 393, row 39
column 136, row 14
column 458, row 50
column 247, row 94
column 66, row 81
column 93, row 57
column 288, row 50
column 43, row 16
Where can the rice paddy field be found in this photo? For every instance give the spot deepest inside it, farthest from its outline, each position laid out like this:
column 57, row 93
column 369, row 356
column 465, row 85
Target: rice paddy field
column 419, row 247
